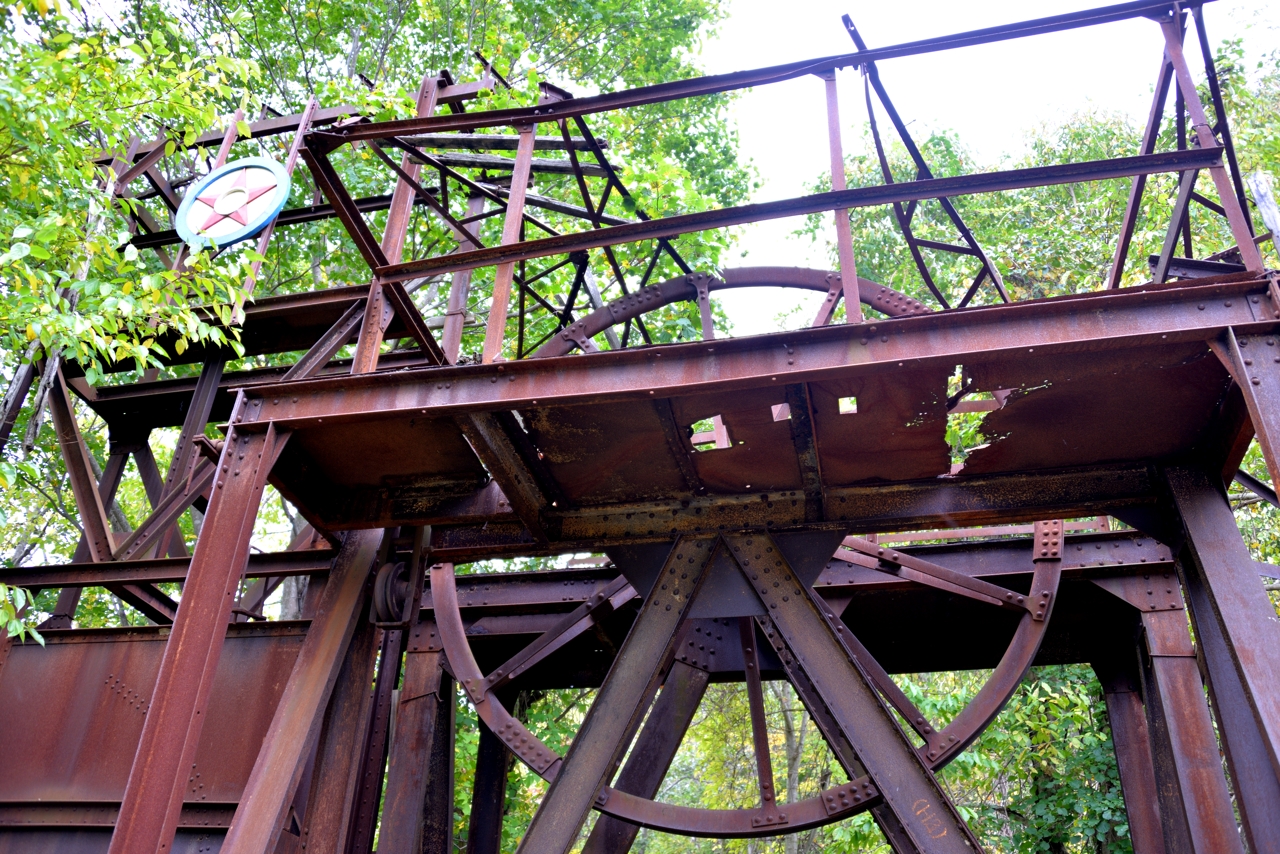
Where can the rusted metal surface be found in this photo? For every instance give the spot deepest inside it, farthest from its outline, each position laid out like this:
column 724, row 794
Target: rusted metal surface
column 1125, row 404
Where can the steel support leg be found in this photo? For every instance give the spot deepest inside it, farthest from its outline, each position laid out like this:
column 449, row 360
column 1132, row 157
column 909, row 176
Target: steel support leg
column 437, row 820
column 1195, row 806
column 153, row 796
column 647, row 765
column 907, row 786
column 489, row 794
column 1231, row 610
column 1233, row 628
column 331, row 802
column 1122, row 688
column 621, row 700
column 373, row 760
column 409, row 770
column 296, row 726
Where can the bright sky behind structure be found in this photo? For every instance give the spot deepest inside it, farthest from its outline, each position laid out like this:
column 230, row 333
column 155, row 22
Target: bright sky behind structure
column 992, row 95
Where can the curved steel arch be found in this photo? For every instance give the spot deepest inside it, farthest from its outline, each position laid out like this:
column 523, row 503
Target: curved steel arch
column 692, row 287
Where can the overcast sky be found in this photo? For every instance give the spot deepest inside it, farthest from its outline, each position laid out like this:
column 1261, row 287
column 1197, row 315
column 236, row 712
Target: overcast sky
column 990, row 94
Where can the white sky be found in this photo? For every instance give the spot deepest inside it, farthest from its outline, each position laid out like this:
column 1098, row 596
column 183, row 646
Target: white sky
column 990, row 94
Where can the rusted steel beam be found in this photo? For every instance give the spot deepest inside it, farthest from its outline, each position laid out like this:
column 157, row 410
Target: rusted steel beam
column 345, row 208
column 496, row 328
column 620, row 702
column 1149, row 138
column 75, row 456
column 497, row 142
column 655, row 748
column 153, row 796
column 971, row 243
column 492, row 444
column 896, row 769
column 403, row 306
column 1111, row 320
column 296, row 726
column 1237, row 217
column 409, row 771
column 15, row 398
column 1255, row 783
column 1251, row 361
column 1121, row 685
column 805, row 442
column 402, row 197
column 481, row 525
column 266, row 127
column 157, row 571
column 549, row 112
column 488, row 794
column 844, row 235
column 370, row 771
column 330, row 343
column 330, row 807
column 1236, row 626
column 289, row 216
column 437, row 821
column 459, row 289
column 1195, row 806
column 674, row 226
column 1228, row 579
column 305, row 120
column 166, row 513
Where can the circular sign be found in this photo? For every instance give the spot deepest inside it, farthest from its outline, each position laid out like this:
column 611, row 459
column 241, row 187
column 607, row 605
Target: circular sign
column 233, row 202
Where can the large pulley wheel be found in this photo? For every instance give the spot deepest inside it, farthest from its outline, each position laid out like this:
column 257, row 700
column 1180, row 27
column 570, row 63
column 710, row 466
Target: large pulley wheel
column 940, row 745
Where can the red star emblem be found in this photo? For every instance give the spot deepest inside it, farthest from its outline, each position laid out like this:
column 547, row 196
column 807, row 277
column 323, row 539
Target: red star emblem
column 233, row 202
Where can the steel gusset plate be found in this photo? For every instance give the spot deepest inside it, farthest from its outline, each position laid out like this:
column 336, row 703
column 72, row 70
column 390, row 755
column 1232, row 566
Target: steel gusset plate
column 831, row 805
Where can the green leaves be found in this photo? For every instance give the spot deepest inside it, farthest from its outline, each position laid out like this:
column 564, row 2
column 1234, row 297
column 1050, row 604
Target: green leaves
column 13, row 604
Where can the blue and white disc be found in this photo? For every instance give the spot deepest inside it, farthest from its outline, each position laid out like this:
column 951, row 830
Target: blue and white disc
column 233, row 202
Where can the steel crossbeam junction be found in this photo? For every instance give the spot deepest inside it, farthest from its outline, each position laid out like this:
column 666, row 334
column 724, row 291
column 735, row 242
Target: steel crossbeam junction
column 775, row 508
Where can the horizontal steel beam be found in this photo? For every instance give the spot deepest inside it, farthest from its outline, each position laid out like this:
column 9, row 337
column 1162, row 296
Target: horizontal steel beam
column 159, row 570
column 321, row 141
column 859, row 197
column 1110, row 320
column 1101, row 553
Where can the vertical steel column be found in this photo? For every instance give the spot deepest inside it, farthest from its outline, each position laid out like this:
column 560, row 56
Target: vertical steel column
column 1221, row 573
column 1237, row 217
column 496, row 329
column 1122, row 690
column 331, row 800
column 153, row 796
column 455, row 314
column 409, row 769
column 1237, row 640
column 295, row 728
column 373, row 759
column 437, row 820
column 1257, row 788
column 1139, row 185
column 377, row 310
column 844, row 237
column 1195, row 806
column 488, row 795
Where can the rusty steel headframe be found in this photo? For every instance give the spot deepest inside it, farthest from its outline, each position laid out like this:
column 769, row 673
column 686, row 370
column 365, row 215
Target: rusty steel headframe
column 778, row 507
